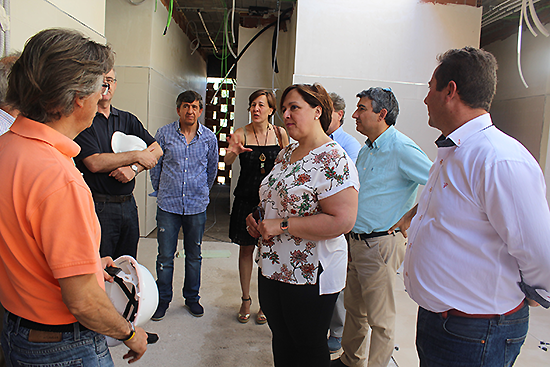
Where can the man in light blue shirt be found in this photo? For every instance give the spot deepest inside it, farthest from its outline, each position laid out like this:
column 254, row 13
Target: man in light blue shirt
column 335, row 130
column 182, row 180
column 352, row 147
column 391, row 167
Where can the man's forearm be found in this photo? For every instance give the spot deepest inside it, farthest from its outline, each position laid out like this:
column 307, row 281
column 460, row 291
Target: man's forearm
column 107, row 162
column 91, row 306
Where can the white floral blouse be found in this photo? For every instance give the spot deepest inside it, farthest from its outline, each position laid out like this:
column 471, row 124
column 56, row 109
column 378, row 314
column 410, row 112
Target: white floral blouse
column 294, row 190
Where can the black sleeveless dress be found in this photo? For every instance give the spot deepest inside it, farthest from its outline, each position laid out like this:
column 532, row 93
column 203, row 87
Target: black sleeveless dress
column 247, row 190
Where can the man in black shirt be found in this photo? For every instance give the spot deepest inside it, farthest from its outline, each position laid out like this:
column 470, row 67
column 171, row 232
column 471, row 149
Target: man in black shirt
column 110, row 175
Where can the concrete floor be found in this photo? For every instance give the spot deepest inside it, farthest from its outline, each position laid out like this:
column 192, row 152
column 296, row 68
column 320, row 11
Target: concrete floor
column 217, row 339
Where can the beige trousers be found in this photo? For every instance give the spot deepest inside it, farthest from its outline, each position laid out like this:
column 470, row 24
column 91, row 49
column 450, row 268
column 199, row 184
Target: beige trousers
column 369, row 300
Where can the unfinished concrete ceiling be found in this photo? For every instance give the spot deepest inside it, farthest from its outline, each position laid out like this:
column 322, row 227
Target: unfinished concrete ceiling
column 204, row 21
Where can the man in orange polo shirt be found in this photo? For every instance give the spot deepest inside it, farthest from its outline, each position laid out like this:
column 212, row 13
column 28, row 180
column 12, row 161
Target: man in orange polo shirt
column 52, row 278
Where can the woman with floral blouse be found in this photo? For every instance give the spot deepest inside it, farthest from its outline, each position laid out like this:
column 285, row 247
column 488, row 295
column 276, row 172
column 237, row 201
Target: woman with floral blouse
column 307, row 202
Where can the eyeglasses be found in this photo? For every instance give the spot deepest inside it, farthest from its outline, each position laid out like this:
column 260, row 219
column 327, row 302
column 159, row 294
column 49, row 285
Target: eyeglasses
column 104, row 89
column 110, row 80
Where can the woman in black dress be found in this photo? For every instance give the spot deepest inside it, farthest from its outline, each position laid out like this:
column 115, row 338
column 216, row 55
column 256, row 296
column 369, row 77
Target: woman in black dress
column 257, row 145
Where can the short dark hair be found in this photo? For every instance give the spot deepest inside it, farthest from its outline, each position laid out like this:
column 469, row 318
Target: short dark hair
column 6, row 63
column 338, row 104
column 475, row 73
column 314, row 95
column 189, row 96
column 271, row 100
column 382, row 98
column 56, row 67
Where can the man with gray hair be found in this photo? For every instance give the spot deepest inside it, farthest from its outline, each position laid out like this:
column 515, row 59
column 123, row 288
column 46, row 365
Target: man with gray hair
column 335, row 130
column 391, row 167
column 52, row 284
column 352, row 147
column 7, row 113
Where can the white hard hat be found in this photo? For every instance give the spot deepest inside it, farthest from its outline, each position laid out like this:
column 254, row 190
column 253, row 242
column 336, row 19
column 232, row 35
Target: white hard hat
column 134, row 293
column 121, row 142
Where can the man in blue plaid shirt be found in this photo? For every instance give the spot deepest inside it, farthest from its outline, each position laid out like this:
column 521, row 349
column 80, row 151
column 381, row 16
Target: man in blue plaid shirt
column 182, row 180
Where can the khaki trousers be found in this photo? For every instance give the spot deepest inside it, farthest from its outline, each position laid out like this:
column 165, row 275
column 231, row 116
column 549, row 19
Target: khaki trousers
column 369, row 300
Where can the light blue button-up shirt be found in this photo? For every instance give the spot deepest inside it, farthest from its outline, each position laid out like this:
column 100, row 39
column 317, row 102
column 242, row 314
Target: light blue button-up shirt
column 390, row 170
column 184, row 175
column 348, row 142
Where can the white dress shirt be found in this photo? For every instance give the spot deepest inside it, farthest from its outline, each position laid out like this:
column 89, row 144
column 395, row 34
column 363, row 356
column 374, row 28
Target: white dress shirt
column 6, row 120
column 482, row 218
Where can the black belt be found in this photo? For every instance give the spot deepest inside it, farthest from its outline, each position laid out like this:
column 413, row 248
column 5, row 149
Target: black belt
column 364, row 236
column 43, row 327
column 100, row 198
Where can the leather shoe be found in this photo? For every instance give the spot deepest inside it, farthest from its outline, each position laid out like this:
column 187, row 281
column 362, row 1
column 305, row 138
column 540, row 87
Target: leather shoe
column 195, row 308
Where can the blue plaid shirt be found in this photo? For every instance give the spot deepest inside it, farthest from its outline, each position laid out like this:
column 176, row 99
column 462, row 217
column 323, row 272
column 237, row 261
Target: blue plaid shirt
column 184, row 175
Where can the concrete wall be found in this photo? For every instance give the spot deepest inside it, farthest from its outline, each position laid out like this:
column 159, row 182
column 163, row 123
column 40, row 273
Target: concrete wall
column 524, row 113
column 254, row 71
column 152, row 70
column 381, row 43
column 31, row 16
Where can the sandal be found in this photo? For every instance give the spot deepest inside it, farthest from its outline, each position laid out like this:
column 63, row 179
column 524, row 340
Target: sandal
column 260, row 318
column 244, row 318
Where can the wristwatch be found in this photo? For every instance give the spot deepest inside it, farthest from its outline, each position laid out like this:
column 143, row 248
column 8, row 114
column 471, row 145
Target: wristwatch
column 284, row 225
column 132, row 333
column 135, row 169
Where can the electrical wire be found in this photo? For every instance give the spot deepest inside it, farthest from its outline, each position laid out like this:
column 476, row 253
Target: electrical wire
column 226, row 20
column 198, row 42
column 275, row 69
column 250, row 43
column 233, row 22
column 170, row 11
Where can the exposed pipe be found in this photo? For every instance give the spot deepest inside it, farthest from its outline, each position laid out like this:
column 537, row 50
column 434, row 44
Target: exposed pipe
column 206, row 29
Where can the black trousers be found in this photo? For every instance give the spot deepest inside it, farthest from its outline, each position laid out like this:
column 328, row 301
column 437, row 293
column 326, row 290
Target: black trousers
column 299, row 319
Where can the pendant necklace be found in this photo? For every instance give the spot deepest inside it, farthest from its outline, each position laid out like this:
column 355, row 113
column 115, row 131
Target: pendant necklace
column 262, row 156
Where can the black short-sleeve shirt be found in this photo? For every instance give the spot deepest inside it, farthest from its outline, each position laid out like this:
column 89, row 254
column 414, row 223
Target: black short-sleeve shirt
column 97, row 139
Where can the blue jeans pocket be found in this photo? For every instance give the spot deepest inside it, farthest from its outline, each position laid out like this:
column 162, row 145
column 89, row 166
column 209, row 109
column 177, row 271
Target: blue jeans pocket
column 512, row 349
column 461, row 330
column 74, row 363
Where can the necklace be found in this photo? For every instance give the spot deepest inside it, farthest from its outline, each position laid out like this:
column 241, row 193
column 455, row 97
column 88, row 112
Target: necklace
column 262, row 156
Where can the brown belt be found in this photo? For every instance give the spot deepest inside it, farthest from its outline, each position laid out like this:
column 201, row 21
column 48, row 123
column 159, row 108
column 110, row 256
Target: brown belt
column 43, row 333
column 453, row 312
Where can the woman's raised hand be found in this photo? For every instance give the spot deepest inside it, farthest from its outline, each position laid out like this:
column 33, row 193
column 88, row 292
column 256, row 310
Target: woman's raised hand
column 235, row 145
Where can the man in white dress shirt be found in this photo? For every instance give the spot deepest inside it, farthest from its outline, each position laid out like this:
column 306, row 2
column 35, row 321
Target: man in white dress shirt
column 7, row 113
column 479, row 242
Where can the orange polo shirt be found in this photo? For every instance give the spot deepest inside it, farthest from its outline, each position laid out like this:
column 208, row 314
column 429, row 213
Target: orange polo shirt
column 48, row 226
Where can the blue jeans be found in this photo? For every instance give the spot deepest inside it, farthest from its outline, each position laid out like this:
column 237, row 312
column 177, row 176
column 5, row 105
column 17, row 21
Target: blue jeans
column 168, row 227
column 119, row 228
column 78, row 348
column 466, row 342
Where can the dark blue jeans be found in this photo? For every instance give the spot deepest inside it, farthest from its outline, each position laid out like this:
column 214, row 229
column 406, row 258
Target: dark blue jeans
column 168, row 227
column 299, row 319
column 78, row 348
column 119, row 228
column 466, row 342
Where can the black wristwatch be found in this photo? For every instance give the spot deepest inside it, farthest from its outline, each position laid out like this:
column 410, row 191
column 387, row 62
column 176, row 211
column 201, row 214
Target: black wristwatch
column 132, row 333
column 135, row 169
column 284, row 225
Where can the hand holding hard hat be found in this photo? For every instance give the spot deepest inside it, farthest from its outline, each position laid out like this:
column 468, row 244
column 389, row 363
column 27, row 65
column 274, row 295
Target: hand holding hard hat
column 134, row 294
